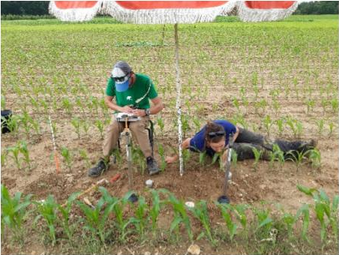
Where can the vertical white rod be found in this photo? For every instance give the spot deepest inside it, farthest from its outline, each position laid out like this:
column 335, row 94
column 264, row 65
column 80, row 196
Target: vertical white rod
column 178, row 104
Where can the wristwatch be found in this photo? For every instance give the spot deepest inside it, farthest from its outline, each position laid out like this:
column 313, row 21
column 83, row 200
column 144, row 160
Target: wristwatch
column 147, row 112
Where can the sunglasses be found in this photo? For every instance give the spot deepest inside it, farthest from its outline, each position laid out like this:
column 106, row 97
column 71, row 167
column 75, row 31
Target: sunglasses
column 215, row 134
column 120, row 79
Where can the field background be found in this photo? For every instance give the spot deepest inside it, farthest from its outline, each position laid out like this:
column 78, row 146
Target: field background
column 253, row 74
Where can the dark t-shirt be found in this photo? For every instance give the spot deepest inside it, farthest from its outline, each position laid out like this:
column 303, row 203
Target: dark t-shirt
column 197, row 143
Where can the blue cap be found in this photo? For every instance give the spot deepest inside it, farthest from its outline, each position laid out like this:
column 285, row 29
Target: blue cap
column 122, row 86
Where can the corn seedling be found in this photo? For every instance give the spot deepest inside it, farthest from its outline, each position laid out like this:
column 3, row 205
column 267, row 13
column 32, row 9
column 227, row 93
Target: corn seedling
column 65, row 215
column 48, row 210
column 315, row 157
column 83, row 153
column 324, row 207
column 305, row 212
column 268, row 124
column 320, row 124
column 100, row 125
column 24, row 150
column 202, row 158
column 67, row 105
column 140, row 218
column 161, row 124
column 280, row 124
column 14, row 151
column 85, row 125
column 138, row 158
column 200, row 212
column 257, row 155
column 155, row 211
column 120, row 222
column 95, row 222
column 76, row 124
column 67, row 156
column 263, row 220
column 4, row 155
column 14, row 211
column 180, row 216
column 297, row 157
column 162, row 156
column 226, row 214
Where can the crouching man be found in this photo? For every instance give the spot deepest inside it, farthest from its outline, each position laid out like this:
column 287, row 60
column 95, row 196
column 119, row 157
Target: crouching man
column 132, row 92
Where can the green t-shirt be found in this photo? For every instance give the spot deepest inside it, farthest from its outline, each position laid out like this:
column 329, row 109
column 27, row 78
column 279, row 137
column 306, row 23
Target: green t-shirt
column 142, row 88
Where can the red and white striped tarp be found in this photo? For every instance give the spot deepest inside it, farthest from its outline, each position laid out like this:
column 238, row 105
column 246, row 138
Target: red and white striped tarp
column 171, row 12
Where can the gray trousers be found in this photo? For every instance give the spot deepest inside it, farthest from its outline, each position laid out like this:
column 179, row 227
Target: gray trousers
column 248, row 140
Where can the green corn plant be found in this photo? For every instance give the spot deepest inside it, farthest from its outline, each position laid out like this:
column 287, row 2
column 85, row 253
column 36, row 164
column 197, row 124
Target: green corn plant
column 315, row 157
column 200, row 212
column 226, row 214
column 180, row 216
column 48, row 211
column 291, row 123
column 162, row 156
column 299, row 129
column 320, row 124
column 44, row 105
column 85, row 125
column 24, row 150
column 240, row 213
column 78, row 102
column 15, row 152
column 277, row 154
column 257, row 155
column 323, row 207
column 3, row 102
column 67, row 156
column 65, row 215
column 67, row 105
column 100, row 125
column 155, row 210
column 35, row 126
column 83, row 153
column 297, row 157
column 234, row 158
column 186, row 154
column 120, row 222
column 76, row 124
column 140, row 218
column 13, row 124
column 25, row 119
column 95, row 221
column 202, row 158
column 117, row 157
column 34, row 104
column 305, row 212
column 268, row 124
column 95, row 102
column 161, row 124
column 280, row 124
column 4, row 155
column 334, row 104
column 138, row 158
column 264, row 220
column 330, row 127
column 197, row 123
column 14, row 211
column 310, row 105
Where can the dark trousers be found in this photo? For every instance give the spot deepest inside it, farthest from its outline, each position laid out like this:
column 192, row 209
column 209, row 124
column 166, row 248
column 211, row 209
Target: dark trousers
column 248, row 140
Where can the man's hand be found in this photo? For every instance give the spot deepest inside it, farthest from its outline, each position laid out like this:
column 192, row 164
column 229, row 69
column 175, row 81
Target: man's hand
column 170, row 160
column 139, row 112
column 126, row 109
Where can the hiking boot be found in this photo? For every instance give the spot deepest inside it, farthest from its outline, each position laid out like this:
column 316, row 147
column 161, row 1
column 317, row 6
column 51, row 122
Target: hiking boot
column 152, row 166
column 307, row 146
column 98, row 170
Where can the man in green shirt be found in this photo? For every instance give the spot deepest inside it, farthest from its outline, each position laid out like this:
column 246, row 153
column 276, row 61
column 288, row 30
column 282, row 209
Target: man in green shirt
column 132, row 92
